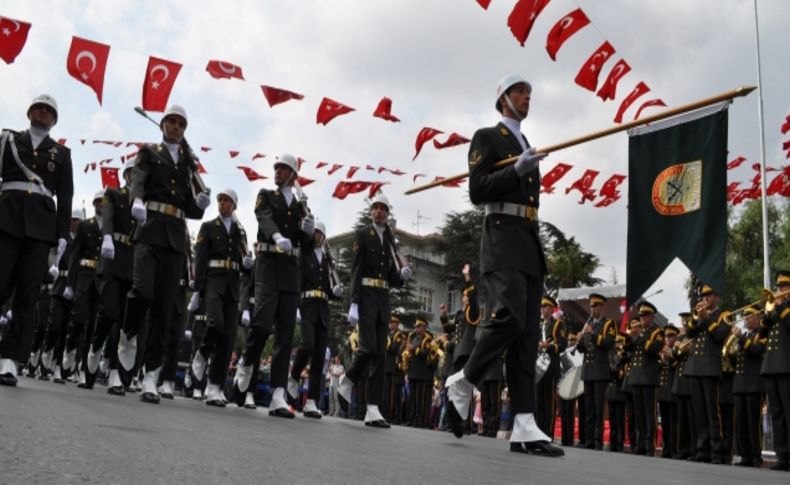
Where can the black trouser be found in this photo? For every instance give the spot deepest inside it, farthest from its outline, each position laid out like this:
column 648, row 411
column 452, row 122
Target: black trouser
column 595, row 404
column 687, row 431
column 544, row 404
column 174, row 343
column 393, row 398
column 418, row 412
column 222, row 319
column 83, row 317
column 112, row 300
column 514, row 298
column 361, row 396
column 568, row 420
column 312, row 349
column 616, row 425
column 23, row 263
column 748, row 408
column 705, row 403
column 777, row 388
column 727, row 413
column 645, row 417
column 372, row 352
column 490, row 403
column 669, row 428
column 198, row 329
column 55, row 339
column 154, row 287
column 631, row 423
column 42, row 317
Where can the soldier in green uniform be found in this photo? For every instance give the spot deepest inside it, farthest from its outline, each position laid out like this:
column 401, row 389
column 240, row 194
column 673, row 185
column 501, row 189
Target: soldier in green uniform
column 615, row 397
column 748, row 388
column 394, row 377
column 35, row 170
column 681, row 388
column 667, row 403
column 553, row 342
column 420, row 378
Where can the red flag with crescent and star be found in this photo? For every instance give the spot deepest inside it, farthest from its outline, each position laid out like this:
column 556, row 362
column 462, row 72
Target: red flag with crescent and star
column 522, row 18
column 383, row 110
column 275, row 96
column 13, row 35
column 563, row 30
column 609, row 188
column 423, row 136
column 251, row 174
column 484, row 3
column 453, row 140
column 224, row 70
column 638, row 91
column 609, row 88
column 584, row 185
column 649, row 104
column 329, row 109
column 160, row 77
column 588, row 74
column 786, row 125
column 342, row 189
column 86, row 63
column 553, row 176
column 109, row 177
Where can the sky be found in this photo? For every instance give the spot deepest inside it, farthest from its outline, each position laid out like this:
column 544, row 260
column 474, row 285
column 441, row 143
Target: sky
column 438, row 60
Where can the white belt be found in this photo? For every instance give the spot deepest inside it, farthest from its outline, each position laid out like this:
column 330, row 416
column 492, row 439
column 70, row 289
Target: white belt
column 29, row 187
column 166, row 209
column 375, row 283
column 315, row 294
column 63, row 273
column 89, row 263
column 273, row 248
column 518, row 210
column 224, row 264
column 122, row 238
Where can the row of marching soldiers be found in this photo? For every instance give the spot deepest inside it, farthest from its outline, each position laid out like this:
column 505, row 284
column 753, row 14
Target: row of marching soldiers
column 707, row 380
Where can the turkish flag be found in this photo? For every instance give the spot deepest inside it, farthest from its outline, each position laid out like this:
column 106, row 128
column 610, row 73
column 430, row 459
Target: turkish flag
column 648, row 104
column 638, row 91
column 335, row 168
column 588, row 74
column 732, row 191
column 205, row 149
column 523, row 16
column 553, row 176
column 735, row 163
column 129, row 156
column 786, row 146
column 375, row 187
column 223, row 70
column 370, row 167
column 160, row 76
column 609, row 88
column 778, row 185
column 607, row 201
column 109, row 177
column 299, row 162
column 786, row 125
column 484, row 3
column 13, row 38
column 563, row 30
column 416, row 176
column 304, row 181
column 584, row 185
column 452, row 183
column 329, row 109
column 275, row 96
column 423, row 136
column 351, row 171
column 452, row 140
column 383, row 110
column 393, row 172
column 200, row 167
column 609, row 188
column 342, row 189
column 251, row 174
column 86, row 63
column 233, row 153
column 320, row 165
column 257, row 156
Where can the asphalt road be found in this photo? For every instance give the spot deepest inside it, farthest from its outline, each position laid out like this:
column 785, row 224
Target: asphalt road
column 52, row 433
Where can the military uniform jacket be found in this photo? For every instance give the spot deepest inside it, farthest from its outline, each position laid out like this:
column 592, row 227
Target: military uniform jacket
column 24, row 215
column 372, row 259
column 118, row 223
column 775, row 328
column 315, row 276
column 557, row 337
column 61, row 282
column 394, row 349
column 156, row 177
column 596, row 347
column 509, row 242
column 419, row 349
column 275, row 215
column 462, row 328
column 87, row 245
column 645, row 351
column 666, row 380
column 748, row 362
column 181, row 294
column 680, row 385
column 214, row 242
column 614, row 391
column 709, row 336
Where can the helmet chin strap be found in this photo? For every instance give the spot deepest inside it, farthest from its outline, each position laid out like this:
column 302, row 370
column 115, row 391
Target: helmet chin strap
column 513, row 109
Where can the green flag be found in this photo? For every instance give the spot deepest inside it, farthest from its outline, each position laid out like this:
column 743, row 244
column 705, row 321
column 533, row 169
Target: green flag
column 677, row 198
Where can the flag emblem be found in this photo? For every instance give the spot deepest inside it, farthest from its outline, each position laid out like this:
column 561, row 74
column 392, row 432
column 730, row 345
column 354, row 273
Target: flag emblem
column 677, row 190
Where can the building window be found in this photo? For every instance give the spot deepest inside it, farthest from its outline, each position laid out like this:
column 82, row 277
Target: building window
column 426, row 299
column 453, row 301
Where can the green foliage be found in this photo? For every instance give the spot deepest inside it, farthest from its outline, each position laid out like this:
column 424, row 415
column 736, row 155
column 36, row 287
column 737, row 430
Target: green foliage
column 569, row 266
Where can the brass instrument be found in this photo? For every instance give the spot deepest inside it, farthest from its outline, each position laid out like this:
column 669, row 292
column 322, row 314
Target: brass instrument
column 682, row 346
column 729, row 350
column 353, row 341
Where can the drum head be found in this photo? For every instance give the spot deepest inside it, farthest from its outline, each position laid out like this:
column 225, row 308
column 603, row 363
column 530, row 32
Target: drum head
column 571, row 385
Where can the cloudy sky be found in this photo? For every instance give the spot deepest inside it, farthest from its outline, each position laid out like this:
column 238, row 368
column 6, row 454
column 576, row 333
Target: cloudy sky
column 439, row 61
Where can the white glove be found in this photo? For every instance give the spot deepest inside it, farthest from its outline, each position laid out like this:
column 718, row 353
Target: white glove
column 245, row 317
column 68, row 293
column 138, row 211
column 528, row 161
column 191, row 284
column 188, row 334
column 282, row 242
column 337, row 290
column 308, row 224
column 248, row 261
column 298, row 316
column 353, row 314
column 54, row 272
column 3, row 321
column 202, row 201
column 107, row 247
column 194, row 303
column 406, row 273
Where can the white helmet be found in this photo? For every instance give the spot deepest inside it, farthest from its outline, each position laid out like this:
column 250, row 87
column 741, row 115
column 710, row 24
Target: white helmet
column 47, row 100
column 288, row 160
column 174, row 110
column 506, row 83
column 381, row 199
column 78, row 214
column 230, row 194
column 98, row 195
column 319, row 226
column 128, row 165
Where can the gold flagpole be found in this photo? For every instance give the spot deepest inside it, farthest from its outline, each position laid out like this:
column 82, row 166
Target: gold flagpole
column 739, row 92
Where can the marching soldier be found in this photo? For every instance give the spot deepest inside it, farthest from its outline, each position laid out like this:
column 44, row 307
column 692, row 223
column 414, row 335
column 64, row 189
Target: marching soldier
column 83, row 287
column 667, row 403
column 554, row 341
column 283, row 228
column 42, row 317
column 394, row 376
column 748, row 388
column 513, row 266
column 627, row 389
column 377, row 267
column 596, row 340
column 167, row 378
column 35, row 170
column 220, row 253
column 709, row 330
column 318, row 285
column 196, row 328
column 775, row 369
column 246, row 309
column 418, row 348
column 726, row 397
column 491, row 398
column 163, row 194
column 681, row 389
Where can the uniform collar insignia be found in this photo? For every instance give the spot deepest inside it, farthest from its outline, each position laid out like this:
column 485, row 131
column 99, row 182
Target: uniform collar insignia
column 504, row 131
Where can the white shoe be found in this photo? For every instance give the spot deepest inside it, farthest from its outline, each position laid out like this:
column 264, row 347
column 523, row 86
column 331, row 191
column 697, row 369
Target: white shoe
column 243, row 377
column 293, row 387
column 93, row 360
column 149, row 381
column 56, row 374
column 135, row 387
column 8, row 366
column 372, row 413
column 104, row 365
column 212, row 392
column 309, row 406
column 46, row 359
column 69, row 359
column 127, row 351
column 198, row 366
column 34, row 358
column 278, row 400
column 344, row 388
column 166, row 389
column 249, row 401
column 196, row 394
column 115, row 379
column 459, row 391
column 525, row 429
column 81, row 379
column 187, row 380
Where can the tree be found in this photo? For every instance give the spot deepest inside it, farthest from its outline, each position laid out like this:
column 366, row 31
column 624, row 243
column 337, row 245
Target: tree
column 569, row 266
column 460, row 244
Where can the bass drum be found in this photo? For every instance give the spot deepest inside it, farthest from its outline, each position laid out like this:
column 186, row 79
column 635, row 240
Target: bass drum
column 571, row 385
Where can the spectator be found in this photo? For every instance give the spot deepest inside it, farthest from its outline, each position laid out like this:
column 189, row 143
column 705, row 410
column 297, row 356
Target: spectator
column 336, row 370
